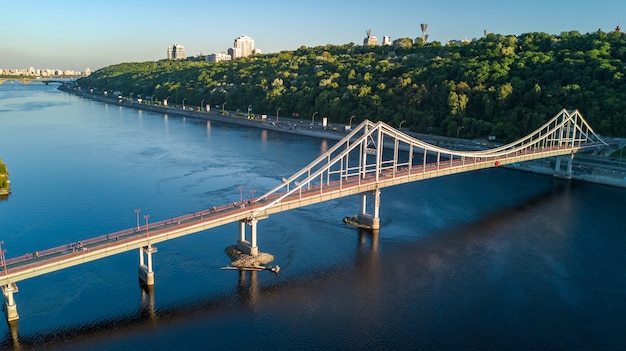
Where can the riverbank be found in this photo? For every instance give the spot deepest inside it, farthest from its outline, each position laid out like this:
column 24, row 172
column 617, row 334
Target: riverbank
column 595, row 169
column 284, row 124
column 5, row 183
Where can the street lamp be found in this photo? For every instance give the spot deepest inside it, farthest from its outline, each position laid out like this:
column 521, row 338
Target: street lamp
column 457, row 133
column 400, row 126
column 252, row 192
column 241, row 195
column 278, row 109
column 313, row 118
column 201, row 105
column 249, row 109
column 184, row 103
column 351, row 117
column 137, row 214
column 146, row 217
column 224, row 104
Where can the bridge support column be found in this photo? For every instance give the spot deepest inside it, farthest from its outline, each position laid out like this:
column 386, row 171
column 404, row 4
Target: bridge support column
column 146, row 274
column 9, row 302
column 558, row 169
column 372, row 221
column 248, row 247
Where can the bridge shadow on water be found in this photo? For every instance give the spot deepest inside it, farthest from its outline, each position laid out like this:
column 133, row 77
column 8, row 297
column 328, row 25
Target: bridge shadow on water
column 251, row 289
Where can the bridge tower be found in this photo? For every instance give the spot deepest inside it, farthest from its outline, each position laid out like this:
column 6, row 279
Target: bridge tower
column 9, row 302
column 146, row 274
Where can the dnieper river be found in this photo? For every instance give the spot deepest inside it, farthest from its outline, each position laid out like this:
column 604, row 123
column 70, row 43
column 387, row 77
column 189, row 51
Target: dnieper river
column 490, row 260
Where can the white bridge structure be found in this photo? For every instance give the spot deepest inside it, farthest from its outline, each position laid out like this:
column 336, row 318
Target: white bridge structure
column 371, row 157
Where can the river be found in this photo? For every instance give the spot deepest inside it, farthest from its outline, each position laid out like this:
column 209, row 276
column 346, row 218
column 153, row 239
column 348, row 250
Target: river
column 492, row 259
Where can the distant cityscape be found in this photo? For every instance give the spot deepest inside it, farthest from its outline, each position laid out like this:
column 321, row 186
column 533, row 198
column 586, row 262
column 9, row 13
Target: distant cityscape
column 243, row 46
column 44, row 73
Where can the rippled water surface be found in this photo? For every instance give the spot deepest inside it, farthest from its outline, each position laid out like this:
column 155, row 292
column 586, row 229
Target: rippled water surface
column 495, row 259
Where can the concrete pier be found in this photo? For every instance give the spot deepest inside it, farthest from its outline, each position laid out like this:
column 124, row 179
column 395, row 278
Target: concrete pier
column 364, row 219
column 146, row 274
column 10, row 307
column 558, row 169
column 243, row 245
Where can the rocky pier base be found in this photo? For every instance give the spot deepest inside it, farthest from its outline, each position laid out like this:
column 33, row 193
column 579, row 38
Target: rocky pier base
column 242, row 261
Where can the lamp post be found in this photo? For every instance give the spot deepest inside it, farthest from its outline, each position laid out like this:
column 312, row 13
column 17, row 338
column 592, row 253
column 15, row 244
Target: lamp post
column 351, row 117
column 252, row 192
column 249, row 109
column 146, row 217
column 457, row 134
column 137, row 214
column 201, row 105
column 184, row 103
column 400, row 126
column 278, row 109
column 313, row 118
column 241, row 195
column 224, row 104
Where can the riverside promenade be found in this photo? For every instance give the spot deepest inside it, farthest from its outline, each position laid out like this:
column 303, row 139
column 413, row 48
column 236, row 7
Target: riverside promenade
column 284, row 124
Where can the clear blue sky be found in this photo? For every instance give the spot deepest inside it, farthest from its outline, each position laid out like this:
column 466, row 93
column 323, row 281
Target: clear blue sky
column 79, row 34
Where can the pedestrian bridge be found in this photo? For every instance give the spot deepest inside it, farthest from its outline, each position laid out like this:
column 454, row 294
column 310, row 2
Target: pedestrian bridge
column 371, row 157
column 25, row 80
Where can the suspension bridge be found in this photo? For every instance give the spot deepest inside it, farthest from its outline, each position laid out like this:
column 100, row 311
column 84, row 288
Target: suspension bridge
column 371, row 157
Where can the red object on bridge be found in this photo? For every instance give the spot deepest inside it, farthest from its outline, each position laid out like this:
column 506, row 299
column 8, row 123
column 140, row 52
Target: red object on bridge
column 497, row 163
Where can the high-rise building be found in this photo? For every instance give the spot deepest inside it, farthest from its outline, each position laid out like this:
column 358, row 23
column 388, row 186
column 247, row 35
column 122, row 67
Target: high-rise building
column 175, row 52
column 245, row 44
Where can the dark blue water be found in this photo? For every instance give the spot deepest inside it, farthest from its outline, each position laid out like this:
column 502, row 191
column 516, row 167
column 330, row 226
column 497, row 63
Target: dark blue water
column 494, row 259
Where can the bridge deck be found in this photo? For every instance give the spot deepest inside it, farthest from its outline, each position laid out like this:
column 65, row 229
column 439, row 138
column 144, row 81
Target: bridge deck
column 57, row 258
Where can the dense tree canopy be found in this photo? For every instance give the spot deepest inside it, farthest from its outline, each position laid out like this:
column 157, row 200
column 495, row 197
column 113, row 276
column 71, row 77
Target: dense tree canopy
column 498, row 85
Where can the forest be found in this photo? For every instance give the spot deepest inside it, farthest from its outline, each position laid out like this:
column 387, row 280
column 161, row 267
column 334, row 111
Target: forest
column 500, row 85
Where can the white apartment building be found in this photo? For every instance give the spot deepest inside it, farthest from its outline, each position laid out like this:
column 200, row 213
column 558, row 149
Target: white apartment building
column 245, row 44
column 222, row 56
column 176, row 52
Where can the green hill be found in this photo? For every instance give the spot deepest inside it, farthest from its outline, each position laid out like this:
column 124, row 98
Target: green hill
column 498, row 85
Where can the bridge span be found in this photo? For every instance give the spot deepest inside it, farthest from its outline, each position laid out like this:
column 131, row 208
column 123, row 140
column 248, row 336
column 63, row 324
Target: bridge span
column 29, row 80
column 371, row 157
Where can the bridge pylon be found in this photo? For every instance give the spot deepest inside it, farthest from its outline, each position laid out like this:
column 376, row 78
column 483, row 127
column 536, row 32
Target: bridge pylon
column 146, row 274
column 559, row 172
column 243, row 245
column 370, row 220
column 10, row 308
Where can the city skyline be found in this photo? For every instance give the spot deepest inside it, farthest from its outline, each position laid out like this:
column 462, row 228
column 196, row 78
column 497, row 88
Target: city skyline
column 76, row 35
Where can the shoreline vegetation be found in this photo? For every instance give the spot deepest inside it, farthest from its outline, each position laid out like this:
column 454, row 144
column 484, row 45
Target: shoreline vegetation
column 498, row 86
column 5, row 183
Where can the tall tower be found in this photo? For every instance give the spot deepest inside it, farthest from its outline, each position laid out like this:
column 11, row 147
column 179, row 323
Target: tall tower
column 424, row 35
